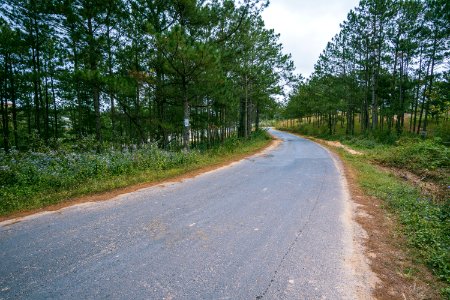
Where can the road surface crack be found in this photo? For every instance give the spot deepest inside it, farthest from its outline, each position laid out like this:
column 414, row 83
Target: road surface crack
column 292, row 245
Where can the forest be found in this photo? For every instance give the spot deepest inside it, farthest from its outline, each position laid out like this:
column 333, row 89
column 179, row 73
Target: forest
column 108, row 73
column 386, row 71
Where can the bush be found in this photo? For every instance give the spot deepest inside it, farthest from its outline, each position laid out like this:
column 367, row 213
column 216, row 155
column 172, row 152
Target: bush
column 416, row 155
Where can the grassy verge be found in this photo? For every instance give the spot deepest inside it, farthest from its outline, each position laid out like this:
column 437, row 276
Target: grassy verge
column 424, row 221
column 36, row 180
column 427, row 158
column 425, row 225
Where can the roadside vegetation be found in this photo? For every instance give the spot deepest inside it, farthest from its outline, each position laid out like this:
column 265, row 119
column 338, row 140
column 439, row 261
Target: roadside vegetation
column 97, row 95
column 427, row 158
column 425, row 222
column 31, row 180
column 424, row 214
column 381, row 87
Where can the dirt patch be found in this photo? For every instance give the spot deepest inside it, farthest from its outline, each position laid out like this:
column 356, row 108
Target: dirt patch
column 16, row 217
column 356, row 258
column 428, row 188
column 399, row 277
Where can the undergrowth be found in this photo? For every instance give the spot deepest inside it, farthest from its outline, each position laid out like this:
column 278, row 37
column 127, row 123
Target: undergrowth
column 416, row 155
column 36, row 179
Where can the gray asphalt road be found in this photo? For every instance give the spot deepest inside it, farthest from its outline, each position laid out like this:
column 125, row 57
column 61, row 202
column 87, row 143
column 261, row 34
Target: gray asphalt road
column 268, row 227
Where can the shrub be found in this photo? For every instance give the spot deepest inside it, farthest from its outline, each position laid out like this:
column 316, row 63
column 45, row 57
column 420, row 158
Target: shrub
column 416, row 155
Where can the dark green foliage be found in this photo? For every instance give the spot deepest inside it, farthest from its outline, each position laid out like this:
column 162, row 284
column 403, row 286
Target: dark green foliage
column 129, row 72
column 387, row 69
column 362, row 142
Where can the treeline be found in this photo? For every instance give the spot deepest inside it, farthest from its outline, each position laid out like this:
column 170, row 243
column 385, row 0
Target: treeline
column 389, row 61
column 175, row 72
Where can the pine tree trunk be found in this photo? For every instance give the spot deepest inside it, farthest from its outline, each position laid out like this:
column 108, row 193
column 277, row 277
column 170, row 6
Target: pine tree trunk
column 14, row 105
column 94, row 83
column 55, row 110
column 46, row 114
column 4, row 113
column 186, row 116
column 37, row 112
column 257, row 116
column 430, row 85
column 422, row 108
column 416, row 98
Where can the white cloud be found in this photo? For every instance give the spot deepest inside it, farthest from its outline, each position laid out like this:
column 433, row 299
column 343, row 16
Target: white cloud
column 306, row 27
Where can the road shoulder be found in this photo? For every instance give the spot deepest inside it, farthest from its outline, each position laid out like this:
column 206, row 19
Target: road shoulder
column 399, row 275
column 356, row 259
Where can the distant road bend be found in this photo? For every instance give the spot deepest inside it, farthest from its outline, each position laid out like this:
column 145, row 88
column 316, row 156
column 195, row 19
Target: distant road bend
column 273, row 226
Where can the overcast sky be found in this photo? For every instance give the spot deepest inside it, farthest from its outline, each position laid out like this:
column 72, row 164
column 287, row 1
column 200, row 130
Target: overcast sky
column 306, row 26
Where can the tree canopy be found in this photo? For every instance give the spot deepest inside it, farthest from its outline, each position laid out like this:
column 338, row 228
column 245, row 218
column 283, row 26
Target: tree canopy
column 390, row 59
column 175, row 72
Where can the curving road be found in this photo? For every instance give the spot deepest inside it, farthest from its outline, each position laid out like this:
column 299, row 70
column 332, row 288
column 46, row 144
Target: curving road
column 273, row 226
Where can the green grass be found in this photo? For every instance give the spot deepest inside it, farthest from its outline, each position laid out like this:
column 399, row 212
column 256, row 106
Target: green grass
column 425, row 224
column 428, row 158
column 35, row 180
column 416, row 155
